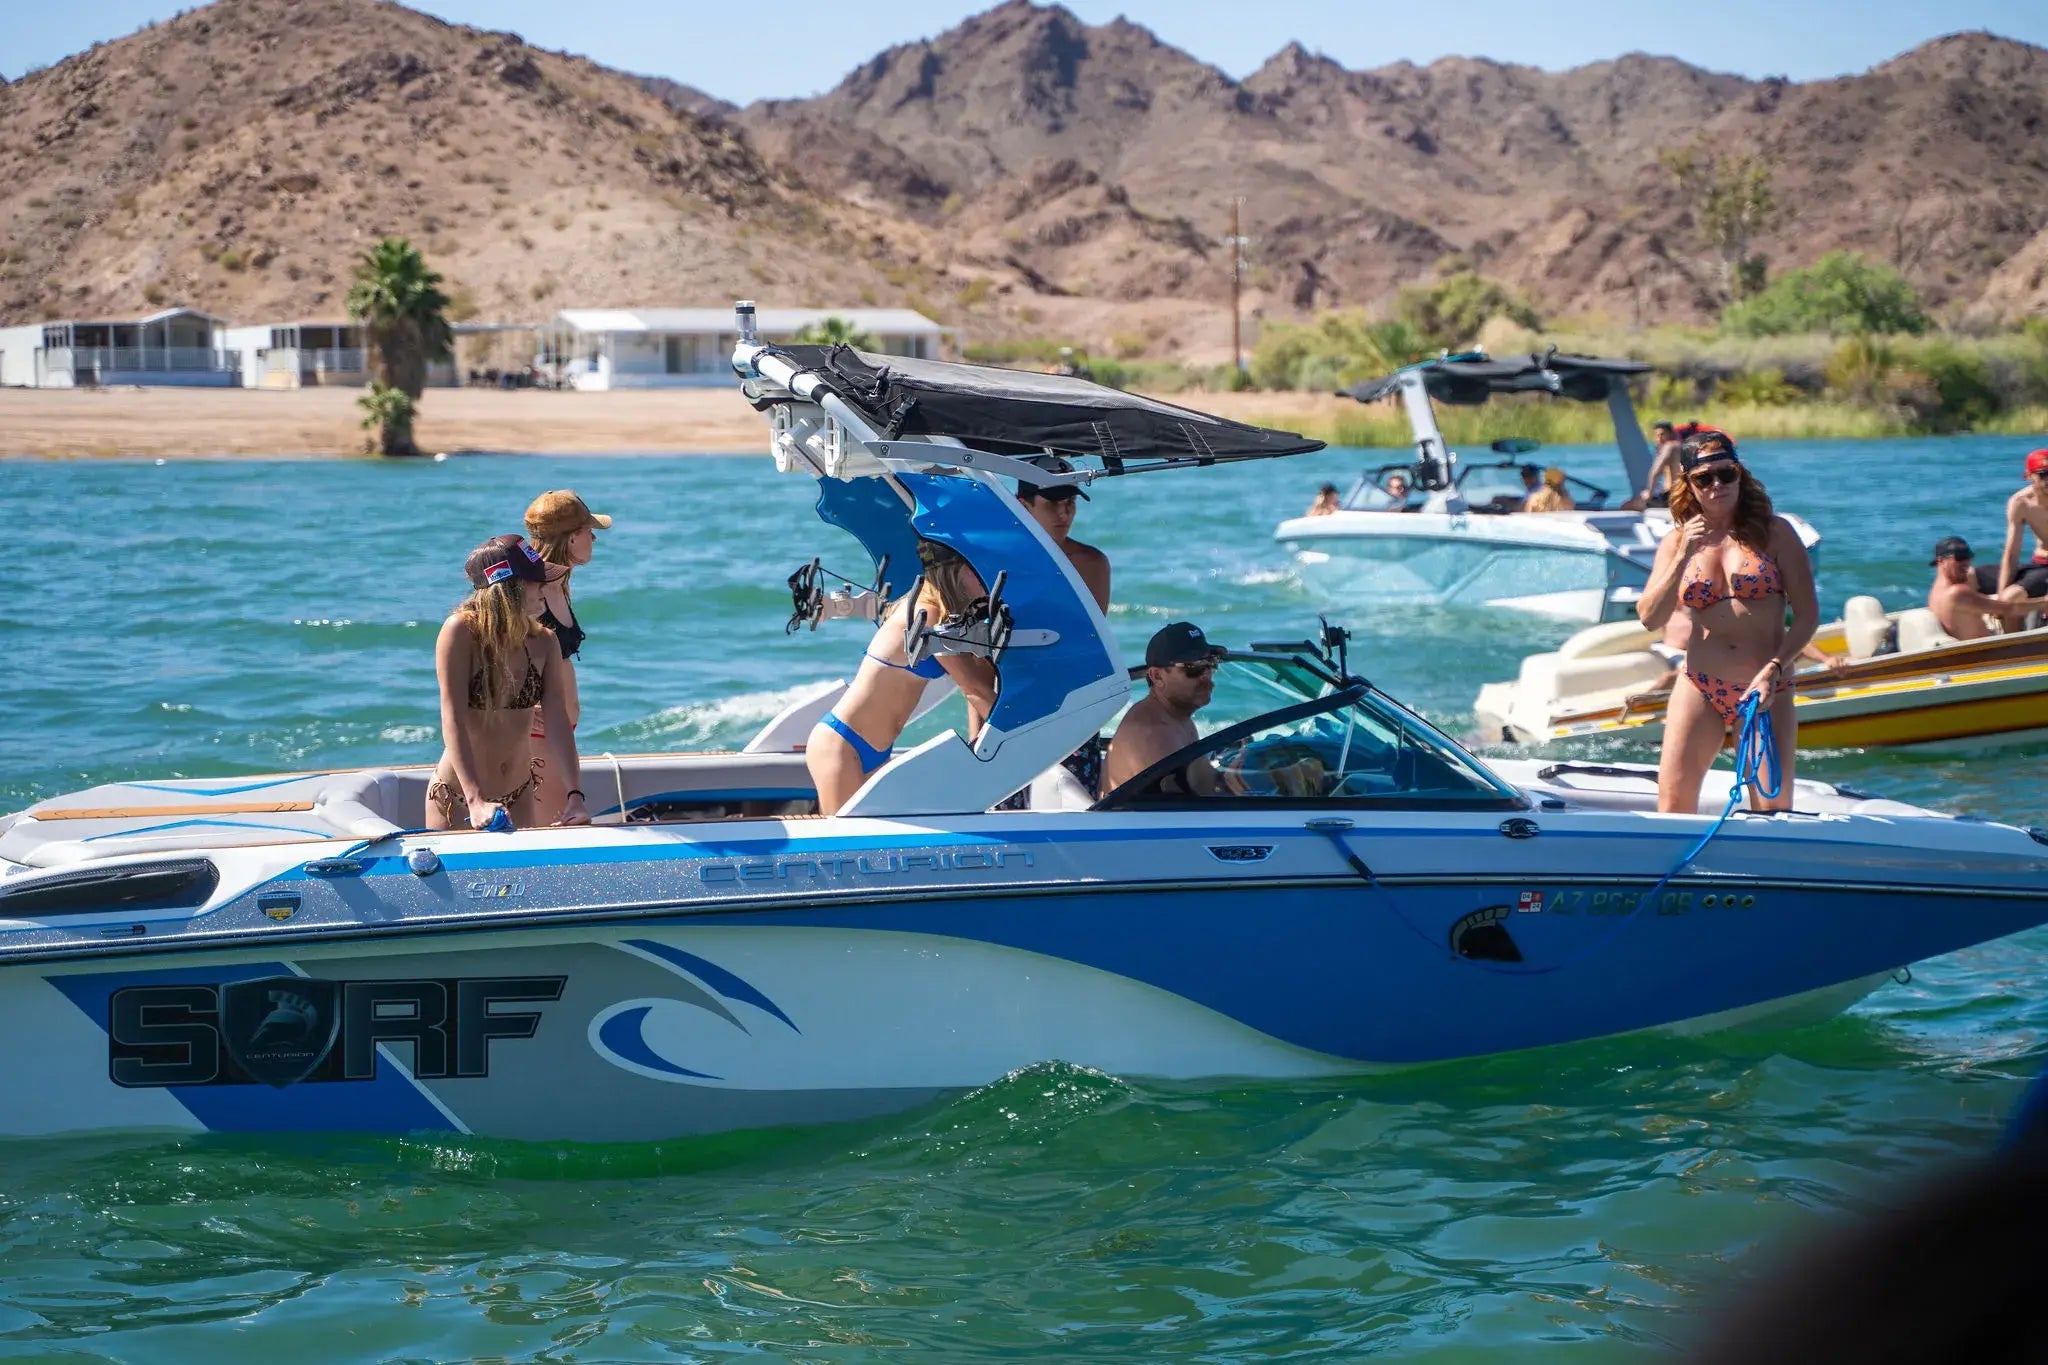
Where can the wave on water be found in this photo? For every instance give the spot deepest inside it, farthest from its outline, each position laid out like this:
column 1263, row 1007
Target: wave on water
column 1260, row 578
column 729, row 720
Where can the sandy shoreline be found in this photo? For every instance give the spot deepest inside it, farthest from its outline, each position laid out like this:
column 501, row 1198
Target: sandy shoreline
column 211, row 423
column 205, row 423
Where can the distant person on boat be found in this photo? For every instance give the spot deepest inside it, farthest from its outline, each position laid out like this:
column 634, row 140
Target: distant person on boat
column 563, row 530
column 496, row 663
column 2026, row 510
column 1327, row 501
column 1656, row 489
column 1053, row 507
column 1736, row 566
column 1180, row 675
column 859, row 733
column 1965, row 610
column 1397, row 488
column 1551, row 497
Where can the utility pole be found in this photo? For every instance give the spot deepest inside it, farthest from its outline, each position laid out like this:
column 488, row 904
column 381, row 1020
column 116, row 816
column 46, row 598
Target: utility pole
column 1237, row 242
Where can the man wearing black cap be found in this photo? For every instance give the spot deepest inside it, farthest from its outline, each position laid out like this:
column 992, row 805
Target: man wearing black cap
column 1958, row 604
column 1180, row 670
column 1053, row 506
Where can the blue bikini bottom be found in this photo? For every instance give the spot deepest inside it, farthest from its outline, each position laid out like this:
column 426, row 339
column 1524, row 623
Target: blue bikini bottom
column 870, row 757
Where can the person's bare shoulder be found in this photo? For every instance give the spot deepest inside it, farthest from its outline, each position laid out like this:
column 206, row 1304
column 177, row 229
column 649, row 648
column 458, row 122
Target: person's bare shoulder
column 1081, row 552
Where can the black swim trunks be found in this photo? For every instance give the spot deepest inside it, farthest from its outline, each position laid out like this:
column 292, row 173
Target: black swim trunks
column 2032, row 578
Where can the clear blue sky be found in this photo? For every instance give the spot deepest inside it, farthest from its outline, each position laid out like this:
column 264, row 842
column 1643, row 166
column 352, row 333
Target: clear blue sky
column 743, row 52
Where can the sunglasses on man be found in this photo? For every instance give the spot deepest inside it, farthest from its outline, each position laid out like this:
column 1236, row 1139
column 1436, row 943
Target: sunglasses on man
column 1714, row 478
column 1198, row 671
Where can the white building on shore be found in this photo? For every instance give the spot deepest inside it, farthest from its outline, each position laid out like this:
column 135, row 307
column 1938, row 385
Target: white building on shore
column 642, row 348
column 295, row 355
column 180, row 346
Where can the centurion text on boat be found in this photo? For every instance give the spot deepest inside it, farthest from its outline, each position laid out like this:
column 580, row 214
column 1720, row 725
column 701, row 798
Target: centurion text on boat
column 286, row 952
column 1456, row 538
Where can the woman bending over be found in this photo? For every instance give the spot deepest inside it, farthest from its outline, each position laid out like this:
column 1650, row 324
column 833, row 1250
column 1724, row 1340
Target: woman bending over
column 1736, row 566
column 859, row 733
column 496, row 662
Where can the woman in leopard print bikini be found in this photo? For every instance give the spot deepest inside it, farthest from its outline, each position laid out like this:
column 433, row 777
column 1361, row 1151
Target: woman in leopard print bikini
column 496, row 662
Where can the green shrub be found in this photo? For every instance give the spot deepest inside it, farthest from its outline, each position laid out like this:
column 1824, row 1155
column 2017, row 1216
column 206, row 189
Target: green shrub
column 1755, row 389
column 1962, row 381
column 1841, row 292
column 1856, row 371
column 1335, row 350
column 1450, row 312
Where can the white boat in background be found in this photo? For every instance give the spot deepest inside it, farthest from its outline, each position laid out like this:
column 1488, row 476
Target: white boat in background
column 1460, row 537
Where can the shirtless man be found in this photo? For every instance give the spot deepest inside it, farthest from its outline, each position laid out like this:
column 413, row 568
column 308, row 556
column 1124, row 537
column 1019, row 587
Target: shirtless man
column 1180, row 669
column 1053, row 508
column 1960, row 605
column 2026, row 510
column 1656, row 490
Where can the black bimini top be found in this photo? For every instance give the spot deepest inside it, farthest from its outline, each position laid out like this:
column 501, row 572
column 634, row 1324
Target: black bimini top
column 1017, row 412
column 1472, row 379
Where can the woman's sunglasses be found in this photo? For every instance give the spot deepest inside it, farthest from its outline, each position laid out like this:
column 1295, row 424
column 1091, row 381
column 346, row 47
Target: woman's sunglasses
column 1714, row 478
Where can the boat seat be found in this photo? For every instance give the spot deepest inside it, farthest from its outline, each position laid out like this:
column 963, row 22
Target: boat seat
column 1921, row 629
column 1057, row 789
column 369, row 804
column 1548, row 678
column 1614, row 637
column 1865, row 628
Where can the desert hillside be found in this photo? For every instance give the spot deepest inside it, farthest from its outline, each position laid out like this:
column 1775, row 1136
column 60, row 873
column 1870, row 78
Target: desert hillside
column 1022, row 173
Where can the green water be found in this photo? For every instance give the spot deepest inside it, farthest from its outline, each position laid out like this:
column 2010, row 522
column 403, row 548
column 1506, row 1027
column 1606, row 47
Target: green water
column 218, row 618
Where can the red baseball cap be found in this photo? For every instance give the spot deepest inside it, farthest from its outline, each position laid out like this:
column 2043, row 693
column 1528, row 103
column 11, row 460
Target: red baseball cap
column 2037, row 461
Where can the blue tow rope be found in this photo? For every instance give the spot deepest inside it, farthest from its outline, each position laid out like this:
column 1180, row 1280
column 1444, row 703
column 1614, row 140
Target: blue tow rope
column 1756, row 747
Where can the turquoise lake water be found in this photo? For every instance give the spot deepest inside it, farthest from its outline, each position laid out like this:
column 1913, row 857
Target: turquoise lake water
column 245, row 617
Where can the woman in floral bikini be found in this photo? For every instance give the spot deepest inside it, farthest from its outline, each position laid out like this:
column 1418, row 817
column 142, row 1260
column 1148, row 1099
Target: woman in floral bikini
column 1737, row 567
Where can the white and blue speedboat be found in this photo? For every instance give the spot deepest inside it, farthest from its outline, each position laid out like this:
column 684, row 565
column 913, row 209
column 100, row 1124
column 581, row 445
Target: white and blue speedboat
column 286, row 953
column 1457, row 535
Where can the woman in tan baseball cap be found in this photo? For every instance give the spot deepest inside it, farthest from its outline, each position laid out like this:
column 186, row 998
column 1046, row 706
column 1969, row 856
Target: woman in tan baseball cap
column 564, row 531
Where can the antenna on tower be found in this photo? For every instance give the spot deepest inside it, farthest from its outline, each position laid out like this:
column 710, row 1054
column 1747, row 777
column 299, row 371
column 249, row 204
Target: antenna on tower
column 1236, row 242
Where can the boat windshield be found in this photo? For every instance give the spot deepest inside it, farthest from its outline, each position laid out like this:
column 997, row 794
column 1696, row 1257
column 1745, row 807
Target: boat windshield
column 1370, row 493
column 1332, row 745
column 1499, row 488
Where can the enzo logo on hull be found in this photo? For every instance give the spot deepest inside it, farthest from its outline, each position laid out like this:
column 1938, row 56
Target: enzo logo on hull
column 285, row 1029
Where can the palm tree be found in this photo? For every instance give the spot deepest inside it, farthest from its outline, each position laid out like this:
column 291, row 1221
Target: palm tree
column 404, row 314
column 835, row 331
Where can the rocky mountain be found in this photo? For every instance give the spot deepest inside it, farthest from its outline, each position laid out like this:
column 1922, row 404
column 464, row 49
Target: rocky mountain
column 1021, row 173
column 240, row 157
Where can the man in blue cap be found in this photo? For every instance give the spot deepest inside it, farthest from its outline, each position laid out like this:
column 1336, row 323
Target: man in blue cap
column 1180, row 671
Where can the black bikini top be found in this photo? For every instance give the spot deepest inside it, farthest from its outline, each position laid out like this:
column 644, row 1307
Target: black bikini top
column 569, row 635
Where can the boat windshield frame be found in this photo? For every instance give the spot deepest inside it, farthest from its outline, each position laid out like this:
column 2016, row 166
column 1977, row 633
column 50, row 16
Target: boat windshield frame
column 1354, row 693
column 1595, row 499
